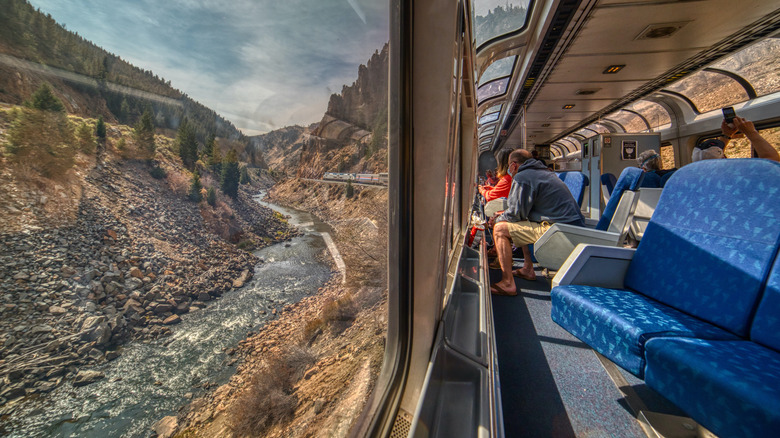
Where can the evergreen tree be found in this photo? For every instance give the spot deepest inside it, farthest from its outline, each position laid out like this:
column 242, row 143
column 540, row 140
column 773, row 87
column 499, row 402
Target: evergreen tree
column 144, row 134
column 230, row 174
column 100, row 130
column 43, row 99
column 42, row 140
column 350, row 191
column 211, row 196
column 195, row 187
column 188, row 145
column 85, row 139
column 124, row 111
column 215, row 161
column 208, row 151
column 244, row 176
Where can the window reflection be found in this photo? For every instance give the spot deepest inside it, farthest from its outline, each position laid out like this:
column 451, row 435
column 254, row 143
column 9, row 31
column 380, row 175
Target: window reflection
column 751, row 63
column 709, row 91
column 492, row 89
column 498, row 69
column 654, row 113
column 494, row 18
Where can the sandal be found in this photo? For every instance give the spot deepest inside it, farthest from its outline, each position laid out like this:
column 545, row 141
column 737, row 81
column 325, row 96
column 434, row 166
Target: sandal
column 495, row 289
column 517, row 274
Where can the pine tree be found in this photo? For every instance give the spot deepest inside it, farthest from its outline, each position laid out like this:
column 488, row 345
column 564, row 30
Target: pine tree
column 85, row 139
column 211, row 196
column 144, row 134
column 349, row 191
column 230, row 174
column 244, row 176
column 43, row 99
column 216, row 161
column 43, row 140
column 195, row 187
column 188, row 145
column 100, row 130
column 208, row 151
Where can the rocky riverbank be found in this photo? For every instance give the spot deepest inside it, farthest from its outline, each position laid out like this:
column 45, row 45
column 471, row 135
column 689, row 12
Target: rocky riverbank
column 129, row 259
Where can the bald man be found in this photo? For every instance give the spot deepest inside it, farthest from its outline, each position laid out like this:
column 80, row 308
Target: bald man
column 537, row 199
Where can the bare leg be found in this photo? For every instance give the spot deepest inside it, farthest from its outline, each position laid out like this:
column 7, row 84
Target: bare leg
column 527, row 271
column 504, row 248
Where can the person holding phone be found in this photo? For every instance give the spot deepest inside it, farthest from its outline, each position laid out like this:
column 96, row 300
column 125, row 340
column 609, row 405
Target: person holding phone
column 734, row 126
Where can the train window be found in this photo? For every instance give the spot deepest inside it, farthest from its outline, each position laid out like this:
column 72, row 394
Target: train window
column 740, row 147
column 709, row 90
column 629, row 121
column 488, row 130
column 486, row 140
column 601, row 129
column 751, row 63
column 498, row 69
column 492, row 89
column 654, row 113
column 493, row 109
column 494, row 18
column 667, row 156
column 487, row 118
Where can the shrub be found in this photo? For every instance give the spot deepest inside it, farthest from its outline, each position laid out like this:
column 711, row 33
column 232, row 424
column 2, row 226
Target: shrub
column 85, row 138
column 157, row 172
column 211, row 196
column 195, row 186
column 244, row 176
column 350, row 191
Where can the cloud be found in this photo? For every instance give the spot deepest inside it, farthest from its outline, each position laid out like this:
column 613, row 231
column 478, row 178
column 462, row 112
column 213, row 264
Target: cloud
column 260, row 64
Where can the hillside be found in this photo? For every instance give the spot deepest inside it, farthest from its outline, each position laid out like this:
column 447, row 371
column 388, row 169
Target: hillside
column 90, row 81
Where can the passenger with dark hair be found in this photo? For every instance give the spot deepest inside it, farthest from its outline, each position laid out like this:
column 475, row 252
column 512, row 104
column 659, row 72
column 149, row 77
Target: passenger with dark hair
column 650, row 162
column 537, row 199
column 490, row 180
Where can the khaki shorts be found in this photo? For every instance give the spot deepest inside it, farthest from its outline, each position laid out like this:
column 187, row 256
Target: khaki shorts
column 526, row 232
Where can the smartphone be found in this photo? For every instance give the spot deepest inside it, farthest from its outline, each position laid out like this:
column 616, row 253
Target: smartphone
column 729, row 114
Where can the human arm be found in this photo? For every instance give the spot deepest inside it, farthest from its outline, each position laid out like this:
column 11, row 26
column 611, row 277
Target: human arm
column 519, row 203
column 762, row 147
column 500, row 190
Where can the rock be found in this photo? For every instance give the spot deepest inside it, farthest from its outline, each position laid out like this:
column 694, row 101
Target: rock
column 133, row 283
column 166, row 427
column 135, row 272
column 111, row 355
column 21, row 276
column 112, row 234
column 239, row 282
column 173, row 319
column 95, row 328
column 95, row 354
column 204, row 297
column 57, row 310
column 183, row 307
column 163, row 308
column 86, row 377
column 13, row 391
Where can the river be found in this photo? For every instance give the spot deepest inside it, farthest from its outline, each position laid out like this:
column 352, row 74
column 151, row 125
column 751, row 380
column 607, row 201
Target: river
column 151, row 380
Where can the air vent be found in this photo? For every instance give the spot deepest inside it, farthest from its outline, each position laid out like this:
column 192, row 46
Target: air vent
column 660, row 30
column 586, row 91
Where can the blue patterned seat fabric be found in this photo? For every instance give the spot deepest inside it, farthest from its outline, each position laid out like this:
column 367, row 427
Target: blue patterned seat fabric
column 629, row 179
column 766, row 324
column 711, row 241
column 617, row 323
column 730, row 387
column 576, row 182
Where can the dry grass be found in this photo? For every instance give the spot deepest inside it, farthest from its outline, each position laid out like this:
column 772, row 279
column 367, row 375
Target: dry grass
column 270, row 398
column 336, row 315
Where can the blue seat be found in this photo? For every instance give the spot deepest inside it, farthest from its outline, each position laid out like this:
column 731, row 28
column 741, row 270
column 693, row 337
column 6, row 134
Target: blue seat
column 629, row 179
column 651, row 180
column 576, row 182
column 695, row 308
column 609, row 180
column 666, row 177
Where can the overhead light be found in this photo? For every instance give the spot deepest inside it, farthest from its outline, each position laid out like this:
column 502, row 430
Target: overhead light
column 660, row 30
column 612, row 69
column 570, row 106
column 545, row 125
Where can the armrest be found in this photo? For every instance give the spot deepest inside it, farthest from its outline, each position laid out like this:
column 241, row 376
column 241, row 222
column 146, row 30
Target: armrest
column 595, row 265
column 591, row 223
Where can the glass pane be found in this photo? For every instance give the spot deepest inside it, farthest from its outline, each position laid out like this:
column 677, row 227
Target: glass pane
column 667, row 156
column 155, row 100
column 488, row 131
column 492, row 89
column 488, row 118
column 709, row 91
column 492, row 18
column 601, row 129
column 493, row 109
column 656, row 115
column 486, row 141
column 751, row 63
column 498, row 69
column 585, row 133
column 740, row 147
column 630, row 122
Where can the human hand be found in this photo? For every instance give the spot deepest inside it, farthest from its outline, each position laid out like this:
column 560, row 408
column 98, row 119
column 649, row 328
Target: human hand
column 728, row 129
column 745, row 126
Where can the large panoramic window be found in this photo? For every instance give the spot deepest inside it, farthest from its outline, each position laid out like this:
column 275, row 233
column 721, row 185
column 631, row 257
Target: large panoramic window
column 709, row 90
column 498, row 69
column 654, row 113
column 191, row 217
column 494, row 18
column 751, row 63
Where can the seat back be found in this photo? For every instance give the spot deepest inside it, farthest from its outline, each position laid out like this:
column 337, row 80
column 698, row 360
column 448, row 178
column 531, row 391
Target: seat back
column 645, row 206
column 608, row 181
column 766, row 324
column 651, row 180
column 576, row 182
column 625, row 210
column 666, row 177
column 711, row 242
column 629, row 179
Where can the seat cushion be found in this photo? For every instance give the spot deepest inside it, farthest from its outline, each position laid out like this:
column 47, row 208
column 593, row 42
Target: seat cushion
column 766, row 324
column 710, row 245
column 730, row 387
column 617, row 323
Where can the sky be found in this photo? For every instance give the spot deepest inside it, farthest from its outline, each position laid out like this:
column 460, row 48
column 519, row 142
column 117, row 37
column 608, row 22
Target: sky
column 261, row 64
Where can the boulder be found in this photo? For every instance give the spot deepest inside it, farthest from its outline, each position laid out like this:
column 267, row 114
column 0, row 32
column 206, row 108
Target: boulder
column 166, row 427
column 239, row 282
column 135, row 272
column 57, row 310
column 173, row 319
column 86, row 377
column 96, row 329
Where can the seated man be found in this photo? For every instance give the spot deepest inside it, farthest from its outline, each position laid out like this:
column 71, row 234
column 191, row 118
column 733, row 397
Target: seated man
column 537, row 199
column 650, row 162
